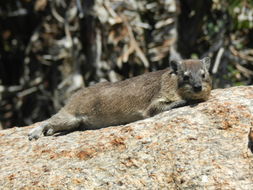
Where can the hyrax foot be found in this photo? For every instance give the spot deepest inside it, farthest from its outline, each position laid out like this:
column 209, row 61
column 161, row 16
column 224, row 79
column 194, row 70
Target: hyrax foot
column 37, row 131
column 35, row 134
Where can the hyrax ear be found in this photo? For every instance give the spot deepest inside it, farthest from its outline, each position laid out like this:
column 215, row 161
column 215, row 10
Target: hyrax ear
column 207, row 62
column 174, row 65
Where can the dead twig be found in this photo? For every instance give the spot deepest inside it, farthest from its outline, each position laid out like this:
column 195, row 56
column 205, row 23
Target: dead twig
column 217, row 60
column 134, row 45
column 246, row 56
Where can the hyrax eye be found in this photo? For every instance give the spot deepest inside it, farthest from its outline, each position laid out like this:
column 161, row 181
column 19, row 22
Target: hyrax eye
column 202, row 73
column 186, row 77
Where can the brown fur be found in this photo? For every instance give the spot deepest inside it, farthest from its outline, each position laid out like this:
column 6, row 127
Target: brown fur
column 107, row 104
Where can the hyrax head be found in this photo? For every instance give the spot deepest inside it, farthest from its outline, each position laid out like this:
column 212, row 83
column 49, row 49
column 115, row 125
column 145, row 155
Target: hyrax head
column 194, row 82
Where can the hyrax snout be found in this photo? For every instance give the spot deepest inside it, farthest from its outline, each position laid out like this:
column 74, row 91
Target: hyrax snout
column 107, row 104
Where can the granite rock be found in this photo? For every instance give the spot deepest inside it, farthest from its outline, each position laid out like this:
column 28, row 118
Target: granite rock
column 203, row 146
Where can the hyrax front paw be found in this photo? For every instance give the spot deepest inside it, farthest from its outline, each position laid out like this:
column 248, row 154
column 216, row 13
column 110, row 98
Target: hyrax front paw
column 49, row 132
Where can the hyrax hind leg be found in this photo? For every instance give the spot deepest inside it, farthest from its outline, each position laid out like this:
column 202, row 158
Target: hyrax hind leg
column 59, row 122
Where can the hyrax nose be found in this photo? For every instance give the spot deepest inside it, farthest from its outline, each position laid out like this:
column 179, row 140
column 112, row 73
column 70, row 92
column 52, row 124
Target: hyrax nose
column 197, row 88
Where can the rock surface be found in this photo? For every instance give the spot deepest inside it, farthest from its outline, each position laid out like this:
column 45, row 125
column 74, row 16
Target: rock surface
column 195, row 147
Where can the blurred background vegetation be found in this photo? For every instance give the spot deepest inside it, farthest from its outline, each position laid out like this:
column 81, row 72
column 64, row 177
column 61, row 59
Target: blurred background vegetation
column 51, row 48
